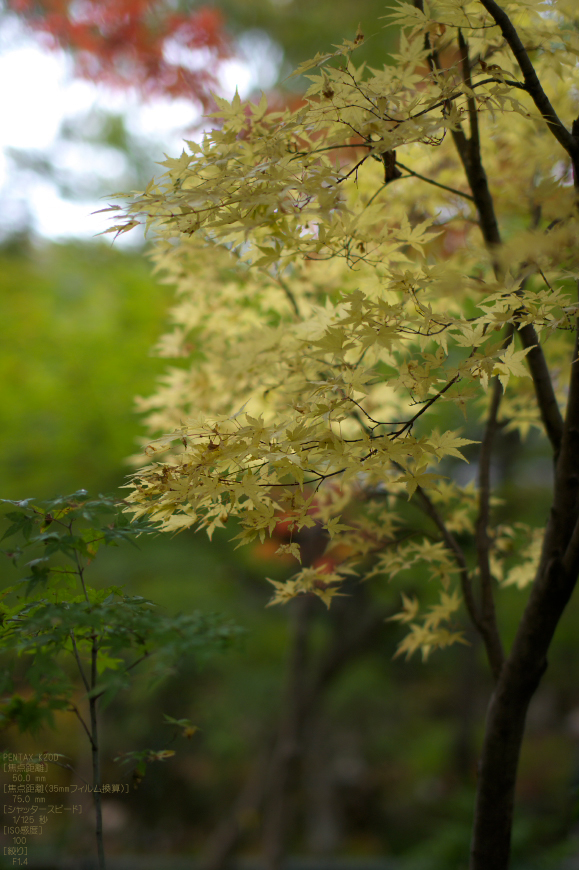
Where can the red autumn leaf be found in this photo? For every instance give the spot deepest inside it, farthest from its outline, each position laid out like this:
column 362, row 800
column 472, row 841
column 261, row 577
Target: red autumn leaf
column 140, row 44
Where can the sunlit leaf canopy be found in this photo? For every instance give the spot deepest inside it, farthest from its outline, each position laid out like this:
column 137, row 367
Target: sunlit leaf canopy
column 334, row 291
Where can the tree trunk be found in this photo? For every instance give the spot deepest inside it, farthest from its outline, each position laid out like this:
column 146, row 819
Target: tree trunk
column 507, row 713
column 522, row 671
column 468, row 691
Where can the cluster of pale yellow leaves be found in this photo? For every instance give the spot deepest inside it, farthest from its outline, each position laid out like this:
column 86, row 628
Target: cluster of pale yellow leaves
column 327, row 306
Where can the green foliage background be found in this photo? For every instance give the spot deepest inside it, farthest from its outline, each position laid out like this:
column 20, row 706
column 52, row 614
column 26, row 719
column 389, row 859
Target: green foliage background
column 82, row 320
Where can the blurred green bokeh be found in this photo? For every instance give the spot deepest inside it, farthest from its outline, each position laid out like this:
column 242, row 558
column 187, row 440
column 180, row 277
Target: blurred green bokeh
column 80, row 322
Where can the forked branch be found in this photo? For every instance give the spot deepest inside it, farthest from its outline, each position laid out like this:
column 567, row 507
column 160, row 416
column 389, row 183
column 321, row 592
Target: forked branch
column 485, row 626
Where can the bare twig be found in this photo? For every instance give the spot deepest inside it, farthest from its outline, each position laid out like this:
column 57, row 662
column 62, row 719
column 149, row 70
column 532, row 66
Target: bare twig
column 96, row 772
column 78, row 661
column 434, row 183
column 455, row 96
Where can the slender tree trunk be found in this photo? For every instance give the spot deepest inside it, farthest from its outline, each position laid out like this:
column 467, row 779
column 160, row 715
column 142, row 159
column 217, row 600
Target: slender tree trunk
column 506, row 717
column 527, row 661
column 465, row 749
column 96, row 764
column 518, row 677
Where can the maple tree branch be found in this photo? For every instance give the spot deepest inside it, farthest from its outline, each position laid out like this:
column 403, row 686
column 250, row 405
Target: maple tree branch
column 532, row 83
column 471, row 160
column 78, row 661
column 546, row 399
column 290, row 296
column 471, row 102
column 490, row 81
column 410, row 423
column 298, row 154
column 74, row 709
column 565, row 511
column 485, row 628
column 455, row 548
column 554, row 583
column 495, row 650
column 433, row 54
column 435, row 183
column 470, row 155
column 571, row 556
column 572, row 414
column 354, row 169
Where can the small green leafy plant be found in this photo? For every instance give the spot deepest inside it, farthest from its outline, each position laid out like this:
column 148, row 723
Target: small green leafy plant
column 52, row 617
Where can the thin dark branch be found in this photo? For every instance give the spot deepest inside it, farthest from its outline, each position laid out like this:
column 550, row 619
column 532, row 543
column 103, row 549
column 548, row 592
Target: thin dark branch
column 299, row 154
column 134, row 664
column 78, row 661
column 432, row 53
column 366, row 414
column 471, row 102
column 494, row 645
column 441, row 103
column 457, row 551
column 375, row 194
column 410, row 423
column 80, row 572
column 289, row 294
column 470, row 156
column 532, row 83
column 74, row 709
column 487, row 631
column 435, row 183
column 96, row 771
column 353, row 169
column 546, row 398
